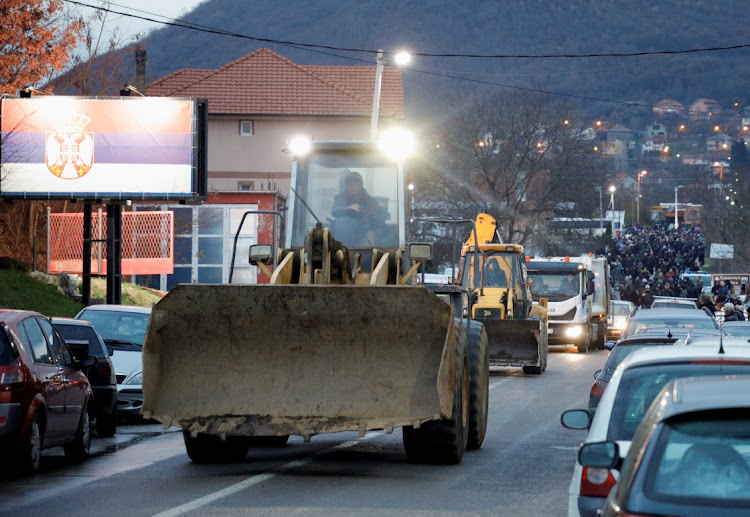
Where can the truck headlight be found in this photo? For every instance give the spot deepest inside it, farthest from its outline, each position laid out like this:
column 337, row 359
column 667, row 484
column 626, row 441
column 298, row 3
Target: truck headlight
column 619, row 325
column 573, row 332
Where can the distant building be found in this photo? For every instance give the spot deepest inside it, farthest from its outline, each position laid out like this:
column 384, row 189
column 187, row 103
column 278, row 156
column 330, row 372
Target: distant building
column 653, row 143
column 720, row 143
column 656, row 130
column 668, row 107
column 703, row 109
column 619, row 132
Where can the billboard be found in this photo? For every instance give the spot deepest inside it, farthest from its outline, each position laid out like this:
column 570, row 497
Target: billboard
column 102, row 148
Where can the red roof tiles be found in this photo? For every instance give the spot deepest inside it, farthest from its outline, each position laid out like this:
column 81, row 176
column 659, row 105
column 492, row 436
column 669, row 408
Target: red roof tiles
column 265, row 83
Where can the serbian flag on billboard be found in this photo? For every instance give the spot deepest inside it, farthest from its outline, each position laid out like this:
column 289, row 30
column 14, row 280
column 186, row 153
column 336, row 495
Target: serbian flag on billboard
column 97, row 148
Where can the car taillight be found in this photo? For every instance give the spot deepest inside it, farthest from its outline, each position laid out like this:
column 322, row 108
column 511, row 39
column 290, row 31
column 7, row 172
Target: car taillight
column 598, row 388
column 596, row 482
column 11, row 377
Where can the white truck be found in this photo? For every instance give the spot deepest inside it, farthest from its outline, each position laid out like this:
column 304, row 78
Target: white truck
column 600, row 301
column 568, row 286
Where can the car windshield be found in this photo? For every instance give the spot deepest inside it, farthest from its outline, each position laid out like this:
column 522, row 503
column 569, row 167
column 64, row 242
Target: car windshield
column 555, row 286
column 736, row 330
column 641, row 384
column 637, row 325
column 703, row 459
column 119, row 326
column 622, row 309
column 82, row 333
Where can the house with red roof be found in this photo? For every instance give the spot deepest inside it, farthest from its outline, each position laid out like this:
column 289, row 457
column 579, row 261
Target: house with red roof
column 703, row 109
column 668, row 107
column 256, row 105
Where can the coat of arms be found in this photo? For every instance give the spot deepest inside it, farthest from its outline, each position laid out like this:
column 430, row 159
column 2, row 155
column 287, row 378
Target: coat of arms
column 70, row 150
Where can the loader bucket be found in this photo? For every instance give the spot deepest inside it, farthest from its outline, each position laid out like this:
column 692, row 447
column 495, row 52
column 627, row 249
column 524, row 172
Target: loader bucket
column 271, row 360
column 513, row 342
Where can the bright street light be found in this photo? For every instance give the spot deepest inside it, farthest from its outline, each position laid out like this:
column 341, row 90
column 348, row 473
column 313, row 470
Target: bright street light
column 400, row 58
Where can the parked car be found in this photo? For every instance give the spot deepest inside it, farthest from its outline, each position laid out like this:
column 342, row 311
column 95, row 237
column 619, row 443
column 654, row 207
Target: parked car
column 689, row 456
column 736, row 328
column 623, row 349
column 123, row 328
column 80, row 335
column 632, row 388
column 619, row 313
column 669, row 319
column 669, row 302
column 44, row 396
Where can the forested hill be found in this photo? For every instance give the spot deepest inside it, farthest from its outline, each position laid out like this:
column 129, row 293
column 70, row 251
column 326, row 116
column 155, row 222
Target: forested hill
column 495, row 27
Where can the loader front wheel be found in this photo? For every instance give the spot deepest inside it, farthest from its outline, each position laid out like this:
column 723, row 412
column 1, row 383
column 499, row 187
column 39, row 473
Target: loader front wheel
column 444, row 441
column 532, row 370
column 212, row 449
column 268, row 441
column 479, row 384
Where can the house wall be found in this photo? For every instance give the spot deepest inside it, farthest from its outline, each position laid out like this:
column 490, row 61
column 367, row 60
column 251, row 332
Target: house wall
column 260, row 158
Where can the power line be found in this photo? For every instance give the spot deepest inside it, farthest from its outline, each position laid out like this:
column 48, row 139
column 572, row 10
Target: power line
column 202, row 28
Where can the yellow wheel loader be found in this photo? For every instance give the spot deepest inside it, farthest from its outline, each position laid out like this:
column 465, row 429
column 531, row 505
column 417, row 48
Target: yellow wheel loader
column 516, row 327
column 342, row 339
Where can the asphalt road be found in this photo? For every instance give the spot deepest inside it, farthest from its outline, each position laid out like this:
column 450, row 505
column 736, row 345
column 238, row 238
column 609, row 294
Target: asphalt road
column 523, row 467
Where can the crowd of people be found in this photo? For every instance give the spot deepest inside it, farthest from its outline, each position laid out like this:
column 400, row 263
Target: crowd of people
column 649, row 262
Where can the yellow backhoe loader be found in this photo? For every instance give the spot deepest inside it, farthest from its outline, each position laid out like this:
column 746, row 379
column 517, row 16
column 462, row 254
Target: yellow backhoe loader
column 516, row 327
column 343, row 338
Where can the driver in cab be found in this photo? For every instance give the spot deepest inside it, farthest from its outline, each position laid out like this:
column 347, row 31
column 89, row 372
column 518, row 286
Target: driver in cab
column 493, row 275
column 355, row 211
column 569, row 285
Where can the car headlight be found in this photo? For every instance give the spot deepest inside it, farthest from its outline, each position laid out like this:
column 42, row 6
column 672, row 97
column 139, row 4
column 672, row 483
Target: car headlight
column 136, row 379
column 573, row 332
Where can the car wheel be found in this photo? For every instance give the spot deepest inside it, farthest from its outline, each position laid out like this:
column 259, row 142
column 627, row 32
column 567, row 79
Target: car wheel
column 29, row 458
column 79, row 449
column 106, row 424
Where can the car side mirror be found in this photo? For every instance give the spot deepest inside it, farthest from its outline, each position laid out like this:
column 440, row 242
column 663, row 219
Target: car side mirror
column 603, row 455
column 86, row 362
column 111, row 351
column 576, row 419
column 609, row 345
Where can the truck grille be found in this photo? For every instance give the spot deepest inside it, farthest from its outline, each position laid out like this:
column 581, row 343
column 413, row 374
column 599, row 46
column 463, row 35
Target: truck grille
column 565, row 317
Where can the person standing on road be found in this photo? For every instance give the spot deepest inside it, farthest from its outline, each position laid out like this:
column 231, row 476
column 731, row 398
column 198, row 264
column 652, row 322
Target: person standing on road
column 729, row 313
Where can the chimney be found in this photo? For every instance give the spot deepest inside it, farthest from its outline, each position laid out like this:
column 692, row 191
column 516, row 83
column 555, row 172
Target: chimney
column 140, row 68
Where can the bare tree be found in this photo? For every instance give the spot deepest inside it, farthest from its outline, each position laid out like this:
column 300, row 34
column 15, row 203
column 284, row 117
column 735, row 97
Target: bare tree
column 516, row 156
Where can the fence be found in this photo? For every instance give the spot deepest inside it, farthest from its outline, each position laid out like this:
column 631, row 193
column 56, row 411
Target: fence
column 147, row 243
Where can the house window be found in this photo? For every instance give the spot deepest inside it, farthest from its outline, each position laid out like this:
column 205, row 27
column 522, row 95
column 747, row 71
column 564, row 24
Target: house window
column 247, row 127
column 245, row 186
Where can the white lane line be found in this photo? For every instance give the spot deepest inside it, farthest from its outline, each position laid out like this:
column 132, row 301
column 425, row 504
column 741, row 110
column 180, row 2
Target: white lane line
column 497, row 383
column 254, row 480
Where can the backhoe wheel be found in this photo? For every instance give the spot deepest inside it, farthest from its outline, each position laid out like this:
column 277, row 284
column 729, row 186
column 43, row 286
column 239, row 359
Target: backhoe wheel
column 479, row 384
column 212, row 449
column 444, row 441
column 268, row 441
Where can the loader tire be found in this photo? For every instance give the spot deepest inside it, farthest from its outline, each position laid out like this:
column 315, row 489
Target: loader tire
column 444, row 441
column 533, row 370
column 212, row 449
column 479, row 384
column 268, row 441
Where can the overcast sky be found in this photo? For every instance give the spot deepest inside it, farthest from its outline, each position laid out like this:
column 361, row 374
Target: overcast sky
column 146, row 8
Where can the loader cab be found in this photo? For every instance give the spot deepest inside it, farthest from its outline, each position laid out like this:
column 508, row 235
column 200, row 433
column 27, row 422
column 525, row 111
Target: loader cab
column 364, row 216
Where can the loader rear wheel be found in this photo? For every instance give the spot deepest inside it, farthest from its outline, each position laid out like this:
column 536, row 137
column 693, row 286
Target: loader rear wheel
column 444, row 441
column 268, row 441
column 212, row 449
column 532, row 370
column 479, row 384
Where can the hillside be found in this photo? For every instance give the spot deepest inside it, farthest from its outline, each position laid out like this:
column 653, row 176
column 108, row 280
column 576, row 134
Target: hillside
column 485, row 26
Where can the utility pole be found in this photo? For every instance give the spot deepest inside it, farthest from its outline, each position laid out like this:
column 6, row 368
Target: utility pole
column 601, row 207
column 676, row 222
column 376, row 97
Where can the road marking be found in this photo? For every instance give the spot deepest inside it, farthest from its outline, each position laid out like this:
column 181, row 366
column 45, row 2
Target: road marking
column 254, row 480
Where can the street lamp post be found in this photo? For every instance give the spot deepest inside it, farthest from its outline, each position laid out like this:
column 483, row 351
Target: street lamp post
column 612, row 202
column 601, row 207
column 401, row 59
column 638, row 198
column 676, row 222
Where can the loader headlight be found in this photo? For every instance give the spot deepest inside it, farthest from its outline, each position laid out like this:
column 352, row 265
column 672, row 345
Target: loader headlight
column 397, row 143
column 573, row 332
column 300, row 145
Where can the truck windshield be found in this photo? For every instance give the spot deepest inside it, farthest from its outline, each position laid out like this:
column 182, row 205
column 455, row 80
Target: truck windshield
column 355, row 194
column 498, row 269
column 555, row 286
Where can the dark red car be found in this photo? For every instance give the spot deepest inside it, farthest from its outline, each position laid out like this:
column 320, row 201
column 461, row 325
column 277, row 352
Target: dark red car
column 44, row 397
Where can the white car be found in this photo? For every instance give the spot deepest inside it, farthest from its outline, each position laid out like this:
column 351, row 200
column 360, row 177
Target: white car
column 617, row 319
column 634, row 385
column 123, row 327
